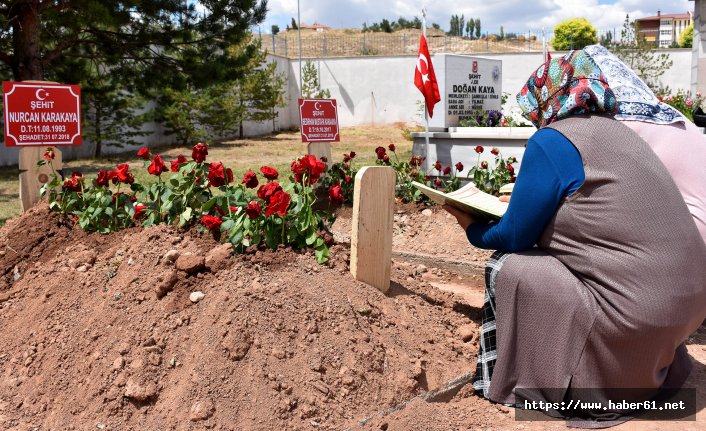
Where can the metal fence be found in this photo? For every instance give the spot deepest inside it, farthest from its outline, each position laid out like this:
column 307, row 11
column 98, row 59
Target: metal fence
column 341, row 45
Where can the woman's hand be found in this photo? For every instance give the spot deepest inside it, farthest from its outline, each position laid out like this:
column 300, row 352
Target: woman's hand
column 463, row 219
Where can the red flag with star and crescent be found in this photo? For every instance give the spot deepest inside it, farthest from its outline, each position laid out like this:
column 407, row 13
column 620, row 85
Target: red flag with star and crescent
column 424, row 77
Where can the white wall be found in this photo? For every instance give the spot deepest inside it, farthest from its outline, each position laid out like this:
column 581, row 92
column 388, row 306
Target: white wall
column 380, row 90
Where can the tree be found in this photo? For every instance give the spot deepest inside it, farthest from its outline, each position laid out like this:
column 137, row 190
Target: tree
column 501, row 36
column 265, row 88
column 470, row 27
column 686, row 39
column 574, row 33
column 435, row 25
column 638, row 54
column 478, row 33
column 385, row 26
column 311, row 88
column 275, row 29
column 607, row 39
column 294, row 24
column 152, row 38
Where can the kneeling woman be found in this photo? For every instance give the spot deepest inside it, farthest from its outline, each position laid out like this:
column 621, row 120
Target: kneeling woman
column 617, row 280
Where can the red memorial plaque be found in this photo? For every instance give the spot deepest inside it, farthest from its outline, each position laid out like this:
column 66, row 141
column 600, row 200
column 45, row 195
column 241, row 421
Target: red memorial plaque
column 319, row 120
column 41, row 114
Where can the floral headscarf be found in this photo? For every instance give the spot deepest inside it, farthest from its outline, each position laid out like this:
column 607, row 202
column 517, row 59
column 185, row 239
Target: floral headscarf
column 565, row 86
column 636, row 102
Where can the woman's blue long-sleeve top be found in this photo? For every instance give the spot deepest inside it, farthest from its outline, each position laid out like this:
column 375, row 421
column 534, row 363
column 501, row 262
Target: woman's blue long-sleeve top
column 551, row 170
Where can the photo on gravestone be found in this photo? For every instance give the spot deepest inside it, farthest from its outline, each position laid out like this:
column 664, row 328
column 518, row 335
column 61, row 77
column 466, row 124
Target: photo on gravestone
column 469, row 86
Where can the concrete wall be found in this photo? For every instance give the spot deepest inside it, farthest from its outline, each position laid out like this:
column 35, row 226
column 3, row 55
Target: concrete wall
column 380, row 90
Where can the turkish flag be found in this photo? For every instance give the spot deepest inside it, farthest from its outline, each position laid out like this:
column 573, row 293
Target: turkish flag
column 424, row 77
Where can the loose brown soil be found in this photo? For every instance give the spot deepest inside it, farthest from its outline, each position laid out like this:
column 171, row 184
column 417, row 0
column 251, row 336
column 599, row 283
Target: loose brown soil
column 99, row 332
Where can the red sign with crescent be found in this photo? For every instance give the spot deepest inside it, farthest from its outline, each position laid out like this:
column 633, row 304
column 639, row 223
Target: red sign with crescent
column 41, row 114
column 319, row 120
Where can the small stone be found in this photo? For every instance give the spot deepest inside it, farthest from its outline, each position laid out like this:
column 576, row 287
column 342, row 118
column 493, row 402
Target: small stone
column 16, row 276
column 154, row 359
column 118, row 363
column 466, row 332
column 171, row 255
column 219, row 257
column 278, row 353
column 201, row 410
column 166, row 282
column 82, row 268
column 140, row 391
column 421, row 269
column 123, row 348
column 190, row 264
column 130, row 261
column 196, row 297
column 427, row 212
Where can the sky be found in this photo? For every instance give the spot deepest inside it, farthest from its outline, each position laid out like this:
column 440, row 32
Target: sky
column 518, row 16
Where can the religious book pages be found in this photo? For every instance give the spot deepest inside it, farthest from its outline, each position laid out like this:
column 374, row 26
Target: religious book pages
column 468, row 199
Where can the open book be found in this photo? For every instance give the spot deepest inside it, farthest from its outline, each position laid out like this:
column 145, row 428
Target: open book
column 468, row 199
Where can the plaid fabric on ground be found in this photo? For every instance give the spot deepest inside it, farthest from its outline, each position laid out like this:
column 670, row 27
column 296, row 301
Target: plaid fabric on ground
column 487, row 354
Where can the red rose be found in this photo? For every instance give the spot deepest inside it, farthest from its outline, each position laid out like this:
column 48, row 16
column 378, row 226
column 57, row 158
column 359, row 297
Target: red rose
column 346, row 158
column 427, row 177
column 250, row 180
column 103, row 178
column 279, row 202
column 157, row 166
column 199, row 152
column 253, row 209
column 511, row 169
column 438, row 182
column 459, row 166
column 352, row 154
column 219, row 176
column 212, row 222
column 386, row 159
column 512, row 179
column 335, row 195
column 437, row 166
column 494, row 151
column 143, row 153
column 122, row 175
column 74, row 183
column 308, row 167
column 380, row 151
column 484, row 165
column 391, row 147
column 266, row 191
column 348, row 179
column 479, row 149
column 180, row 160
column 49, row 154
column 234, row 209
column 269, row 172
column 447, row 170
column 139, row 209
column 511, row 160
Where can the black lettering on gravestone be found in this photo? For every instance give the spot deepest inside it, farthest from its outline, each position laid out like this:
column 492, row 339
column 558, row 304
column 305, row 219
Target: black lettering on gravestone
column 469, row 86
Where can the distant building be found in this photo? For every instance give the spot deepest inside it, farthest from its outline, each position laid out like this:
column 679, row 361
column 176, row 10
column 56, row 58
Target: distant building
column 664, row 29
column 315, row 27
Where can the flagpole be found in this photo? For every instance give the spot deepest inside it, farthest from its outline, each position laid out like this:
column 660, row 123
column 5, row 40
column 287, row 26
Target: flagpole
column 426, row 111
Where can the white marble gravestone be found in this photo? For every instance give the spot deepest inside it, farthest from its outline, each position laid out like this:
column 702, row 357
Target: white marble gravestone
column 468, row 85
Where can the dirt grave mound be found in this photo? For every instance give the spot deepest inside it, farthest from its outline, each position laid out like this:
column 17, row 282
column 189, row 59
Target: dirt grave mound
column 159, row 328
